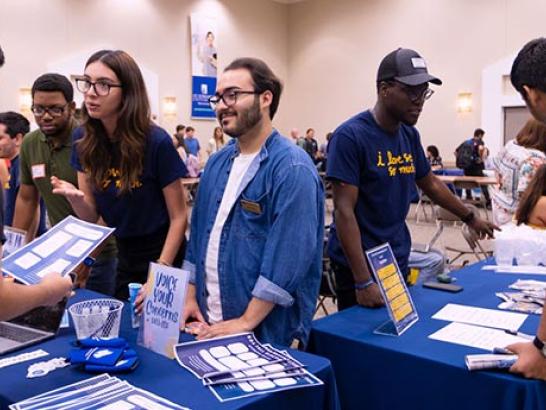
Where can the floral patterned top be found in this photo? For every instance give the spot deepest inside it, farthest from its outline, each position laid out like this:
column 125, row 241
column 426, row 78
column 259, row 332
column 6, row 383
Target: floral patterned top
column 515, row 166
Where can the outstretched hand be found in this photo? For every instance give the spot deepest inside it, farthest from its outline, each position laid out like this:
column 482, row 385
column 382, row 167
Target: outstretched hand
column 66, row 189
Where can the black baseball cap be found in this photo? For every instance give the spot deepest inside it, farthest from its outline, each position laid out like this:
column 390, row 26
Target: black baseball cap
column 405, row 66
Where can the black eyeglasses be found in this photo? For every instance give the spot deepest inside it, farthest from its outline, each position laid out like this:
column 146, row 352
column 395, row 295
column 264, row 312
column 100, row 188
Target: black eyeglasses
column 102, row 88
column 229, row 97
column 54, row 111
column 416, row 93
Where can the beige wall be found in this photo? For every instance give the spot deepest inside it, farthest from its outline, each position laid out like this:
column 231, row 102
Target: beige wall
column 336, row 46
column 326, row 51
column 35, row 33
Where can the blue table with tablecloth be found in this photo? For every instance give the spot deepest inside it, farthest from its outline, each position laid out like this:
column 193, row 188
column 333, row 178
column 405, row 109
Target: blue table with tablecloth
column 162, row 376
column 414, row 372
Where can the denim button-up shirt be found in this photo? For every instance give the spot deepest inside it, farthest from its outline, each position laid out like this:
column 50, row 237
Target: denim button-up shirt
column 272, row 249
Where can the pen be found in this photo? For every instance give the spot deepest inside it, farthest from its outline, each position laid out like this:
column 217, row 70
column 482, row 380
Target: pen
column 520, row 334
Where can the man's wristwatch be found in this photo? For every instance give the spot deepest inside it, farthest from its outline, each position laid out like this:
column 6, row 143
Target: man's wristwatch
column 468, row 217
column 539, row 344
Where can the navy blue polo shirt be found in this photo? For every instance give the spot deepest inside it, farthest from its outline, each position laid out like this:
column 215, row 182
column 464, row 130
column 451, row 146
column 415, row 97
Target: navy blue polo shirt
column 142, row 211
column 384, row 167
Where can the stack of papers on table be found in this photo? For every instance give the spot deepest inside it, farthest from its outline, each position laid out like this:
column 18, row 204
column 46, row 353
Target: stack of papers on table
column 238, row 366
column 478, row 327
column 101, row 392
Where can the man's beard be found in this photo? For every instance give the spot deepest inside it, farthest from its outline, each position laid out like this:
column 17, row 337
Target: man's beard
column 245, row 120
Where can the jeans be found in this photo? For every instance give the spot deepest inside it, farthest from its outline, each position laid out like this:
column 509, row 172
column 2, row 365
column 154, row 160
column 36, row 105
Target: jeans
column 430, row 264
column 102, row 277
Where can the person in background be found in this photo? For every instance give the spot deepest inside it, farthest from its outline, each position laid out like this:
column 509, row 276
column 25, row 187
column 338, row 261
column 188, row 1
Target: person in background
column 18, row 299
column 434, row 158
column 192, row 143
column 46, row 152
column 296, row 137
column 477, row 163
column 13, row 127
column 310, row 144
column 322, row 154
column 216, row 142
column 179, row 135
column 128, row 170
column 528, row 77
column 515, row 166
column 532, row 206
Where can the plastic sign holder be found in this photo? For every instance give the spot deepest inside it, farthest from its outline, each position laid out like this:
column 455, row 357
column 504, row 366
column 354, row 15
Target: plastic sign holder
column 394, row 290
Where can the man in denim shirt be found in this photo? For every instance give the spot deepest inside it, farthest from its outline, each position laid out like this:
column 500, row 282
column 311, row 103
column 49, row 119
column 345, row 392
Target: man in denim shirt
column 255, row 248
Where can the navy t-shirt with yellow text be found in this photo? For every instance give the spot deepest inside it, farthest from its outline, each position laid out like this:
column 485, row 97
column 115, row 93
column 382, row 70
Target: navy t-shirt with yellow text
column 384, row 167
column 142, row 211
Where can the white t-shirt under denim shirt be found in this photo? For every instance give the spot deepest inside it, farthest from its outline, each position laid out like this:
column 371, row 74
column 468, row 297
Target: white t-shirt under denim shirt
column 238, row 171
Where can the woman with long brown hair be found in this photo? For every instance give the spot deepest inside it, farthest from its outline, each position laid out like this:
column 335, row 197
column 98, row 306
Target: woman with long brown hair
column 216, row 142
column 532, row 205
column 128, row 169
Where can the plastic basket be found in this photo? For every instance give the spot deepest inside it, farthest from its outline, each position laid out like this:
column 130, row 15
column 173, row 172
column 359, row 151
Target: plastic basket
column 96, row 318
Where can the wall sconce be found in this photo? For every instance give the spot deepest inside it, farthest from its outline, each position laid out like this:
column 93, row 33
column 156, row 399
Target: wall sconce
column 25, row 100
column 169, row 105
column 464, row 102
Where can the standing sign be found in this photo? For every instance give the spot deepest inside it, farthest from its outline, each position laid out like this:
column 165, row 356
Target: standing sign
column 204, row 63
column 394, row 290
column 162, row 309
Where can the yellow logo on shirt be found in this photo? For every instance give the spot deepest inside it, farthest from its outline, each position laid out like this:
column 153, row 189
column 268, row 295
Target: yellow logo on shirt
column 113, row 175
column 396, row 164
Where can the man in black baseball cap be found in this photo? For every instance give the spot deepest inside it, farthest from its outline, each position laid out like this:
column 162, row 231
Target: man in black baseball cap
column 374, row 161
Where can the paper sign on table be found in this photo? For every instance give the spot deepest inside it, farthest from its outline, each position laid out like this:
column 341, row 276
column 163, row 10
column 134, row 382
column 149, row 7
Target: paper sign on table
column 162, row 308
column 394, row 290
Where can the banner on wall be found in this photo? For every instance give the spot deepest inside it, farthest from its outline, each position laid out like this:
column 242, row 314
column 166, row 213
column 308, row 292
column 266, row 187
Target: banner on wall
column 204, row 64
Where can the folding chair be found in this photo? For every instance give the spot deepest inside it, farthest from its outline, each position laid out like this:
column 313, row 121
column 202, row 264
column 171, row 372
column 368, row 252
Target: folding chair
column 424, row 200
column 477, row 248
column 327, row 281
column 470, row 185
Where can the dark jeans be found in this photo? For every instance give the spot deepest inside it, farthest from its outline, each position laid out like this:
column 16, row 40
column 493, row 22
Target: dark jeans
column 477, row 172
column 135, row 255
column 345, row 286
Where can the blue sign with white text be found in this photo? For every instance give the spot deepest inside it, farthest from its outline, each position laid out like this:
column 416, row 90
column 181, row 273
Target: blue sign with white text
column 202, row 89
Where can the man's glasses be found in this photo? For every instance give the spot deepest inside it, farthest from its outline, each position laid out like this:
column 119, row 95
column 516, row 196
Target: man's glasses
column 418, row 93
column 229, row 97
column 102, row 88
column 54, row 111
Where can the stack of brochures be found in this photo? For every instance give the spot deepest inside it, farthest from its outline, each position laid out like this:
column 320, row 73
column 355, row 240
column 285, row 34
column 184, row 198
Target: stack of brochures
column 239, row 366
column 490, row 361
column 100, row 392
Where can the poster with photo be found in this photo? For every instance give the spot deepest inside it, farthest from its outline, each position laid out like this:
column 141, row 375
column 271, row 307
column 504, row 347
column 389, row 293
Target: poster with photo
column 204, row 64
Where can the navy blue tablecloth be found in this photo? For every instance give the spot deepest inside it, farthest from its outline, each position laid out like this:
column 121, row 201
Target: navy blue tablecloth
column 414, row 372
column 162, row 376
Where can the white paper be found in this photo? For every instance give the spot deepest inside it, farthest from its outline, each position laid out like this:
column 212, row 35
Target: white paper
column 56, row 241
column 83, row 231
column 517, row 269
column 58, row 266
column 475, row 336
column 79, row 248
column 480, row 316
column 27, row 260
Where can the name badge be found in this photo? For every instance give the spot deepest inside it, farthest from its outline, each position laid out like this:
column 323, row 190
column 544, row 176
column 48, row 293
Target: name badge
column 38, row 171
column 249, row 206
